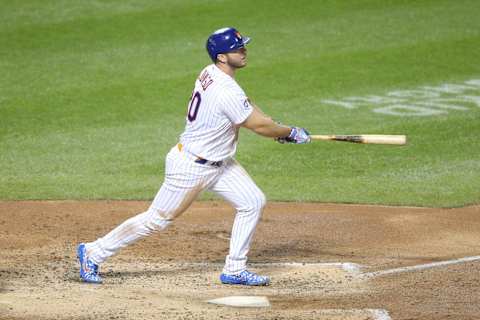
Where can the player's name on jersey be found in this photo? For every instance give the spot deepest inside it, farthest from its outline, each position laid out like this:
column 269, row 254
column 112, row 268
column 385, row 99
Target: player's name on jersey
column 205, row 80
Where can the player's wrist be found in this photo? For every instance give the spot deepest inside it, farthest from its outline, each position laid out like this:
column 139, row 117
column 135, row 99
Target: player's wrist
column 293, row 133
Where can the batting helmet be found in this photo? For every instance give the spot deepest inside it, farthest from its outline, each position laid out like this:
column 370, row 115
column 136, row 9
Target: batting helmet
column 225, row 40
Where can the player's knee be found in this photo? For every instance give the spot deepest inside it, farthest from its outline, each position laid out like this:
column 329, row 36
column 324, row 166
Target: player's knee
column 257, row 202
column 262, row 201
column 158, row 220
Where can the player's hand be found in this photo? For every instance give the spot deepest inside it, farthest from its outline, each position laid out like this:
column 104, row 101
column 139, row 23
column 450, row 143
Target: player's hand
column 297, row 135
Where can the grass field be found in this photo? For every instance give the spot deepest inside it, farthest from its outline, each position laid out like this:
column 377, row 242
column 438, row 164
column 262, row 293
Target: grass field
column 94, row 93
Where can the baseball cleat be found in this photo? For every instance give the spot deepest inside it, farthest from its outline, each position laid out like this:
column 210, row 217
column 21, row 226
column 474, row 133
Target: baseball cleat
column 88, row 268
column 246, row 278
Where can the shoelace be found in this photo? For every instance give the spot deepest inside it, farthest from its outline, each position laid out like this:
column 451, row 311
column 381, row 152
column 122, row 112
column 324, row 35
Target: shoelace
column 93, row 268
column 252, row 276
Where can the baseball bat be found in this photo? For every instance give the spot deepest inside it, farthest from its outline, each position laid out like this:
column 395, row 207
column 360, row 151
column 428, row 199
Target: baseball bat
column 365, row 138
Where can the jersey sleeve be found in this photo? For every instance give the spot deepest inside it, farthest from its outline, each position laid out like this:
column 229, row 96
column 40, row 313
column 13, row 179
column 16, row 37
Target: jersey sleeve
column 236, row 106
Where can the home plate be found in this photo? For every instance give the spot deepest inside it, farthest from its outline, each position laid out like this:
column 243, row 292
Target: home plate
column 242, row 301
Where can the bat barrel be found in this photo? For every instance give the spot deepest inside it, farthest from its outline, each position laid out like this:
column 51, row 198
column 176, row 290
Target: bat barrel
column 385, row 139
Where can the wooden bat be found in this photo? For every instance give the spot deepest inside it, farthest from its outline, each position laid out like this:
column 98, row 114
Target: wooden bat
column 365, row 138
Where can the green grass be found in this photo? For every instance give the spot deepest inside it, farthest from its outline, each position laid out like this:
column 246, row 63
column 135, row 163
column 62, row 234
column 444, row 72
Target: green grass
column 93, row 94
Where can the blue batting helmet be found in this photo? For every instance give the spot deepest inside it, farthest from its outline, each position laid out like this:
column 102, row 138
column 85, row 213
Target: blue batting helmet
column 225, row 40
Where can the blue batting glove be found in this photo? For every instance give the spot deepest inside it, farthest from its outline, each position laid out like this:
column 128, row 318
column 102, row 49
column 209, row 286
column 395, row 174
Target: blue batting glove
column 298, row 136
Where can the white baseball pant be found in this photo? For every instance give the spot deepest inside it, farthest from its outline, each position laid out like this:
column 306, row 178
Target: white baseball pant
column 184, row 181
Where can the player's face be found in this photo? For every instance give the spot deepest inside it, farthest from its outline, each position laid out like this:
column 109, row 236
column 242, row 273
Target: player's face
column 237, row 58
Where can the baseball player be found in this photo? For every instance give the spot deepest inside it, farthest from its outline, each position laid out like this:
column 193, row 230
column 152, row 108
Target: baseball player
column 204, row 160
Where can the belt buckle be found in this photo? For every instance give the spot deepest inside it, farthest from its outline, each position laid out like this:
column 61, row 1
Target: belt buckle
column 217, row 163
column 212, row 163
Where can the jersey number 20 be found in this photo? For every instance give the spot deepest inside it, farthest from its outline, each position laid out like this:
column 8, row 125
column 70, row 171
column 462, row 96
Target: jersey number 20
column 194, row 106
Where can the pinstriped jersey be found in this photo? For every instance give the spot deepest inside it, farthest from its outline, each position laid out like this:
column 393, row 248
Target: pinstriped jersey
column 217, row 106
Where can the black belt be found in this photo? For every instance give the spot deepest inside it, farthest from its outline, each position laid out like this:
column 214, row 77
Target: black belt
column 198, row 159
column 212, row 163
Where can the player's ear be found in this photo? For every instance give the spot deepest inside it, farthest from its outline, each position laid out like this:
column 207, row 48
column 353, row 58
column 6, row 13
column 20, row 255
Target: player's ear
column 221, row 58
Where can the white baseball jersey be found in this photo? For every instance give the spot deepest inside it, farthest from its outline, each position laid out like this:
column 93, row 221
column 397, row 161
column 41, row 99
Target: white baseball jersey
column 218, row 105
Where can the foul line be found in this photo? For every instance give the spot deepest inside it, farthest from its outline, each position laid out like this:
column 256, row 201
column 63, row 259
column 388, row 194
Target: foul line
column 380, row 314
column 375, row 314
column 345, row 266
column 420, row 267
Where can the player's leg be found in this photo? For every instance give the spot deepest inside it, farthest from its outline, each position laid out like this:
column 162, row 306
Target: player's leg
column 236, row 186
column 169, row 203
column 184, row 180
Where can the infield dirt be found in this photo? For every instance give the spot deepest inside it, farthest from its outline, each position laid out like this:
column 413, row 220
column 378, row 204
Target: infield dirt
column 171, row 274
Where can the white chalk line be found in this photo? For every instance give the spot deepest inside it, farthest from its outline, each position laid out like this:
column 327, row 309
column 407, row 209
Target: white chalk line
column 345, row 266
column 420, row 267
column 349, row 267
column 376, row 314
column 380, row 314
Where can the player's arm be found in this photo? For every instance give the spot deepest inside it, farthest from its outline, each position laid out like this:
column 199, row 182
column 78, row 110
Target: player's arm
column 263, row 125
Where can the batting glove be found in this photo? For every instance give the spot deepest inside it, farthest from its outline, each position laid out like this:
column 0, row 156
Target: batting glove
column 297, row 135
